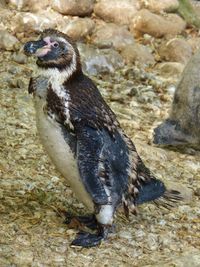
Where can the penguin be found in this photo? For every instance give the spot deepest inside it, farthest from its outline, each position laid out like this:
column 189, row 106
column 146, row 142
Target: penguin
column 84, row 140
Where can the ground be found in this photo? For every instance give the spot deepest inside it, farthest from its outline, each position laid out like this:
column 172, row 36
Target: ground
column 34, row 196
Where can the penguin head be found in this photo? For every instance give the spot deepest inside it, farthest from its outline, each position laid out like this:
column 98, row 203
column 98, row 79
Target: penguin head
column 55, row 50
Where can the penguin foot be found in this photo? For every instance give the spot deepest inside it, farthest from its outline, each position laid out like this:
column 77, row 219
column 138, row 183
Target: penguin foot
column 88, row 221
column 87, row 240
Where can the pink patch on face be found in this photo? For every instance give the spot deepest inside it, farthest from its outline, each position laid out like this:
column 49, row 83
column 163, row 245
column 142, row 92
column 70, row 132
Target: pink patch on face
column 45, row 49
column 47, row 40
column 42, row 51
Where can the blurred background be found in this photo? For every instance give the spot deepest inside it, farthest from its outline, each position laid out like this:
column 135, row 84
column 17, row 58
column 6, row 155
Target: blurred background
column 135, row 51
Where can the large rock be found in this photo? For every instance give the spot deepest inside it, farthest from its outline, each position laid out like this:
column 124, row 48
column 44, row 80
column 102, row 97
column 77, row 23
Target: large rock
column 170, row 69
column 3, row 3
column 28, row 5
column 156, row 25
column 73, row 7
column 112, row 35
column 176, row 50
column 6, row 17
column 26, row 22
column 183, row 125
column 137, row 53
column 194, row 42
column 8, row 41
column 78, row 28
column 160, row 5
column 97, row 61
column 117, row 11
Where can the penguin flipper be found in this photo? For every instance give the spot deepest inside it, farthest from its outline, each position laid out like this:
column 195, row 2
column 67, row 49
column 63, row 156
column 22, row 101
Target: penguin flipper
column 89, row 148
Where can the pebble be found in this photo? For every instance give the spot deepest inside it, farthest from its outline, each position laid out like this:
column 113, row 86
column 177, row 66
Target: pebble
column 97, row 61
column 112, row 35
column 28, row 5
column 137, row 53
column 73, row 8
column 175, row 50
column 169, row 69
column 159, row 6
column 19, row 58
column 8, row 41
column 125, row 234
column 78, row 28
column 197, row 191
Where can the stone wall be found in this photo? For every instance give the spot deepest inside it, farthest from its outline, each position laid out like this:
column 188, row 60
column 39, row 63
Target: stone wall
column 141, row 32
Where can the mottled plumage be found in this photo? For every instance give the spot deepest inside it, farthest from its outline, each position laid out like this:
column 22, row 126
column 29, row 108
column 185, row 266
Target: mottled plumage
column 84, row 139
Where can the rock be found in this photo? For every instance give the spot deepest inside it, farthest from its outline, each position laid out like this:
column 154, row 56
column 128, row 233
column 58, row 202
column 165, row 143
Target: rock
column 78, row 28
column 156, row 25
column 182, row 128
column 26, row 22
column 125, row 235
column 194, row 42
column 73, row 8
column 8, row 41
column 6, row 16
column 97, row 61
column 28, row 5
column 112, row 35
column 19, row 58
column 160, row 5
column 197, row 191
column 152, row 241
column 3, row 3
column 15, row 83
column 196, row 6
column 117, row 11
column 169, row 69
column 146, row 94
column 14, row 70
column 137, row 53
column 176, row 50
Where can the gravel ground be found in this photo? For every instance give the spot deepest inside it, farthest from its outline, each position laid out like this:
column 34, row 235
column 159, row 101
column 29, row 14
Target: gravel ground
column 33, row 195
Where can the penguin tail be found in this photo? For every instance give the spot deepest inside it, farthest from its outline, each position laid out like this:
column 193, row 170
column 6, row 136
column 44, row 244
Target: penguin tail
column 152, row 189
column 156, row 191
column 169, row 199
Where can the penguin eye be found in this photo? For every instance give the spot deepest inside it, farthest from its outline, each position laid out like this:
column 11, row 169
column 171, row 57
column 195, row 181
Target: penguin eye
column 55, row 45
column 65, row 48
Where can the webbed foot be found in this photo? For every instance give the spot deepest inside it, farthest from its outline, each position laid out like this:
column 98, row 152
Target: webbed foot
column 87, row 240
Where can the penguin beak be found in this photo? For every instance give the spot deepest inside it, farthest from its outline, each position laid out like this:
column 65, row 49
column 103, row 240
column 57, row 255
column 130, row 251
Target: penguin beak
column 37, row 48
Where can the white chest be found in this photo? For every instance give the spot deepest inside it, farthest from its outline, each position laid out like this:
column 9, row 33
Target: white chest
column 59, row 151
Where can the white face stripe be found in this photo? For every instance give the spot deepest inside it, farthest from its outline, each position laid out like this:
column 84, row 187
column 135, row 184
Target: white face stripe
column 61, row 39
